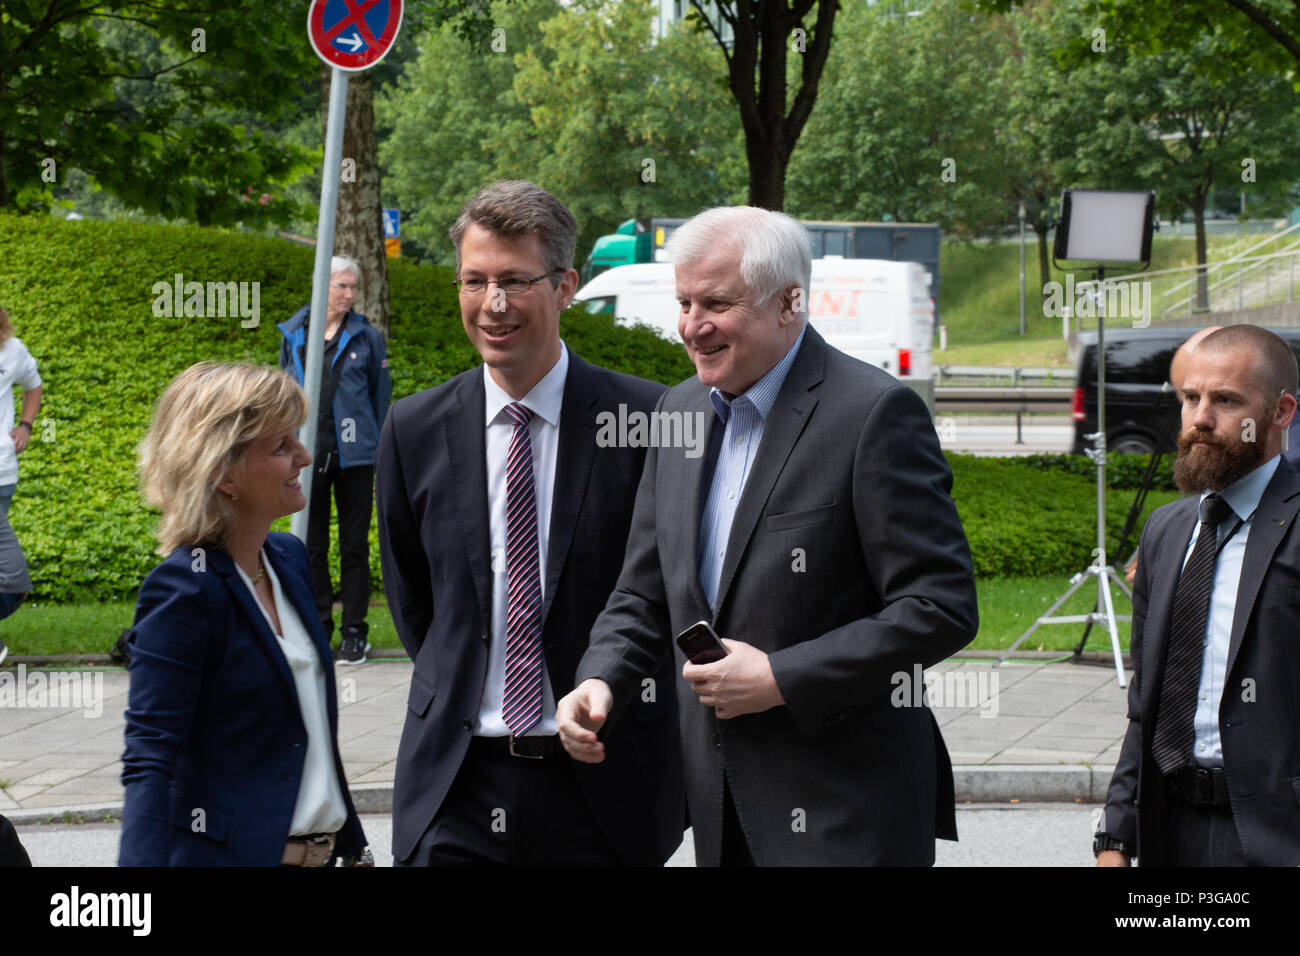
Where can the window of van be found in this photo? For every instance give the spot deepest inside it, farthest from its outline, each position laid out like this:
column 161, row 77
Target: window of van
column 604, row 305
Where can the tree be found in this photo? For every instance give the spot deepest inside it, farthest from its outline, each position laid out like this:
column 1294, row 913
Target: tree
column 1050, row 109
column 627, row 125
column 906, row 122
column 576, row 99
column 152, row 102
column 1214, row 115
column 756, row 39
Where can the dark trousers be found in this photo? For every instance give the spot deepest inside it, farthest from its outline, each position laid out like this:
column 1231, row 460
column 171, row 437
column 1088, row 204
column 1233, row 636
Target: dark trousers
column 504, row 810
column 1201, row 835
column 354, row 494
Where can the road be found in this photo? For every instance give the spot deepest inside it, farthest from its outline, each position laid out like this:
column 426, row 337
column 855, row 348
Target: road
column 996, row 435
column 1039, row 834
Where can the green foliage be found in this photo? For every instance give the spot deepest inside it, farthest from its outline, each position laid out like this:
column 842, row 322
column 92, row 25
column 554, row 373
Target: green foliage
column 1023, row 521
column 1123, row 472
column 575, row 99
column 904, row 100
column 81, row 296
column 154, row 103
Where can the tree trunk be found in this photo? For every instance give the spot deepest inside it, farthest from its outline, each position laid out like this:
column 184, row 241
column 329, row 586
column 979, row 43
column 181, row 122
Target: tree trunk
column 757, row 55
column 1044, row 260
column 767, row 163
column 1202, row 277
column 359, row 228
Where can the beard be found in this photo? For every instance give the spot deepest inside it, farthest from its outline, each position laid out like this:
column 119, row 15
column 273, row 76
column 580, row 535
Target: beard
column 1216, row 466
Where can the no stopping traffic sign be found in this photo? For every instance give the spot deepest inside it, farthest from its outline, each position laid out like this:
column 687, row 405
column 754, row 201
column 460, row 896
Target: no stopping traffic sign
column 353, row 35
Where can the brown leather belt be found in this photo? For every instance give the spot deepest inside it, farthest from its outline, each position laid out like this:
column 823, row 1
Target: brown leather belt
column 313, row 850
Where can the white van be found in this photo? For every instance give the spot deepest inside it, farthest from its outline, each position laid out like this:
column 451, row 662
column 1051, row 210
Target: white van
column 876, row 310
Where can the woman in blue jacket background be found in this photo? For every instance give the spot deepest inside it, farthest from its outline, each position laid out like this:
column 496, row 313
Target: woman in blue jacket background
column 355, row 390
column 232, row 725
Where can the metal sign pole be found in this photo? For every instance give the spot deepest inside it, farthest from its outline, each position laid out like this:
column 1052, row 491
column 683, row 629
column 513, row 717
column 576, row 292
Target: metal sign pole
column 320, row 281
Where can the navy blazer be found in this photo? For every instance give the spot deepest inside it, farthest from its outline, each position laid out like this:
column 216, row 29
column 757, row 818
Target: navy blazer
column 215, row 742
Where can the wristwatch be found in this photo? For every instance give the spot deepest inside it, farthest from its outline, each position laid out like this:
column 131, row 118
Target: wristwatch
column 1104, row 841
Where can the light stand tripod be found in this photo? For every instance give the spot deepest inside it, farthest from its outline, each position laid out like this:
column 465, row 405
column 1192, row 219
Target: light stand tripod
column 1139, row 502
column 1099, row 226
column 1100, row 569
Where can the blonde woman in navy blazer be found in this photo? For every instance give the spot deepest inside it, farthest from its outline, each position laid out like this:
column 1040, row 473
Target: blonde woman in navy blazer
column 231, row 730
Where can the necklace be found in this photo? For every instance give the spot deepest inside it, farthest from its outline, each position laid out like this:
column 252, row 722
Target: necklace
column 261, row 570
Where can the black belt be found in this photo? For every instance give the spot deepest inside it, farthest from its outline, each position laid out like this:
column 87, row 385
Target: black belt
column 1200, row 786
column 532, row 748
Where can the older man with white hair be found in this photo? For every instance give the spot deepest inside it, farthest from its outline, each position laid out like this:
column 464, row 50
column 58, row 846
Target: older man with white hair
column 354, row 396
column 818, row 539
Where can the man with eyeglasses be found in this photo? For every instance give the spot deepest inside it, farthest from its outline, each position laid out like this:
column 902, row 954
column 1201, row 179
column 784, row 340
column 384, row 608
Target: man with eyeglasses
column 502, row 529
column 354, row 395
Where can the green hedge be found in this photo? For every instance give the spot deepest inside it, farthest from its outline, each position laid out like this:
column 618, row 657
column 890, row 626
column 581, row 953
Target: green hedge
column 1021, row 519
column 1122, row 471
column 81, row 296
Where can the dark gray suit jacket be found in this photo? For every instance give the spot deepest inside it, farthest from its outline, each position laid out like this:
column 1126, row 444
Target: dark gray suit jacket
column 846, row 564
column 1259, row 715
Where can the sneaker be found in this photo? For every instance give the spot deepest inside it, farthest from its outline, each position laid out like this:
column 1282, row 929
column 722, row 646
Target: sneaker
column 352, row 649
column 4, row 651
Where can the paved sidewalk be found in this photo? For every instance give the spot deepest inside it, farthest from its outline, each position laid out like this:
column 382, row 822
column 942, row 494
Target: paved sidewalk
column 1021, row 732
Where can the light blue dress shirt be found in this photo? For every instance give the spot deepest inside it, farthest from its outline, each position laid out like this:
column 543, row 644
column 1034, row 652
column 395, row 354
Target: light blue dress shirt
column 743, row 417
column 1243, row 496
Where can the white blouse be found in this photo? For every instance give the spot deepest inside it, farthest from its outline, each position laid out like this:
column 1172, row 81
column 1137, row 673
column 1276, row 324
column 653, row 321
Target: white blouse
column 320, row 807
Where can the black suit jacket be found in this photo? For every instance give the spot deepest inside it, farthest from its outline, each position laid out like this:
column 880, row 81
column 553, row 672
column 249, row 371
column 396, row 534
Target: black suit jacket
column 847, row 565
column 1259, row 715
column 431, row 487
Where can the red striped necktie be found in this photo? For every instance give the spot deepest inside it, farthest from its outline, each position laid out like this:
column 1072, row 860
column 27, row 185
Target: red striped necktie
column 522, row 705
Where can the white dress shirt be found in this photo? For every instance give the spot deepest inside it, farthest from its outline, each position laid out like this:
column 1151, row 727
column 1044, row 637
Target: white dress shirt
column 320, row 807
column 1243, row 496
column 544, row 401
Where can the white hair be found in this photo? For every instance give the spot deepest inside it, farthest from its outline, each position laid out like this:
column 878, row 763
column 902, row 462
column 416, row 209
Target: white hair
column 775, row 251
column 344, row 264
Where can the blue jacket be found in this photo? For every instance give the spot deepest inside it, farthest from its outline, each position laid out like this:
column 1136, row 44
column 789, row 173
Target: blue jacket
column 365, row 388
column 213, row 720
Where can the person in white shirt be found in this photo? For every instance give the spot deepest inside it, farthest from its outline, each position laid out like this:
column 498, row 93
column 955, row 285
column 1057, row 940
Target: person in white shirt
column 17, row 367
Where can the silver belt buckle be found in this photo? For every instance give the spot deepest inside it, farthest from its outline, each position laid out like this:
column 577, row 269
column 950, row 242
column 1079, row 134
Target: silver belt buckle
column 515, row 753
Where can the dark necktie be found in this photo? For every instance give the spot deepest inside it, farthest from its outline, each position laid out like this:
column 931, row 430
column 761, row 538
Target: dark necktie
column 1172, row 744
column 521, row 707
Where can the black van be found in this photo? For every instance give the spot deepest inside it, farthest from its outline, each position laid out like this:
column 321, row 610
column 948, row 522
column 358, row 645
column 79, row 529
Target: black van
column 1138, row 402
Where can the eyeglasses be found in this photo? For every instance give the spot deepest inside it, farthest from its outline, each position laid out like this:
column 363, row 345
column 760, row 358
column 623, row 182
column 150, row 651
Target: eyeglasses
column 345, row 286
column 511, row 285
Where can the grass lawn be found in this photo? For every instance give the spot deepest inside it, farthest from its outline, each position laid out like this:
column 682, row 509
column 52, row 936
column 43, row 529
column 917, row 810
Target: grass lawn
column 1007, row 606
column 92, row 628
column 1036, row 350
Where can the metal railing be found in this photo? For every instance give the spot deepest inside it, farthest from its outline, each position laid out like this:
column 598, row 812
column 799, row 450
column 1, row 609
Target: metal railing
column 1250, row 279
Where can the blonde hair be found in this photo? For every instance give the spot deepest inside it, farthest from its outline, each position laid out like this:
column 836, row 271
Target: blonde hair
column 6, row 326
column 201, row 429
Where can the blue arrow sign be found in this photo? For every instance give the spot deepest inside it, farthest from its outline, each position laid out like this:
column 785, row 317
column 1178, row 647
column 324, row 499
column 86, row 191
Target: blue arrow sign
column 392, row 224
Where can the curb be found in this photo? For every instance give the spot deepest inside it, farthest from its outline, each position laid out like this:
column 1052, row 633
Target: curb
column 1099, row 657
column 982, row 783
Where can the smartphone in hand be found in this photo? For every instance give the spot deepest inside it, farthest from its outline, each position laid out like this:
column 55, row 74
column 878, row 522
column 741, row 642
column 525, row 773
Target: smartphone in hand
column 701, row 644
